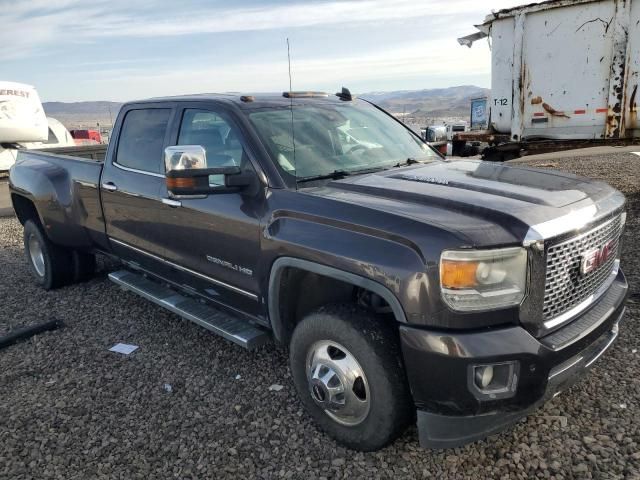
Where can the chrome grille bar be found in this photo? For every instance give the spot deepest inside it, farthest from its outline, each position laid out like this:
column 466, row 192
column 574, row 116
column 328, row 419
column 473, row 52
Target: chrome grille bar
column 565, row 287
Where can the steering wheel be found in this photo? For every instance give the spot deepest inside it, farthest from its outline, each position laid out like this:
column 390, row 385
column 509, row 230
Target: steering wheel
column 357, row 147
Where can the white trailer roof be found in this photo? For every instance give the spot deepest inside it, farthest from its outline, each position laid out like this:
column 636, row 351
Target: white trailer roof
column 485, row 27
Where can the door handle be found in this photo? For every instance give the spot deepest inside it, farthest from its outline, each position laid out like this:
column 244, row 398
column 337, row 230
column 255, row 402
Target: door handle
column 109, row 187
column 172, row 203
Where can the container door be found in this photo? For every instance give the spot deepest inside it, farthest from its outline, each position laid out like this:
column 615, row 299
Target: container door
column 632, row 98
column 566, row 62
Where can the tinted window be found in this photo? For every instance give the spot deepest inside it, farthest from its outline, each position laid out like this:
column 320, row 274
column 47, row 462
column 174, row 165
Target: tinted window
column 219, row 138
column 142, row 139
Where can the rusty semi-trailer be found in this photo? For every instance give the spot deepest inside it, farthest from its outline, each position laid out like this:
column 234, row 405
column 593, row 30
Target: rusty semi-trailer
column 564, row 74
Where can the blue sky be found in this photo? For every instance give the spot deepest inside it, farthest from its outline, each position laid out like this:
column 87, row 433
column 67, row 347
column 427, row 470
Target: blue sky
column 73, row 50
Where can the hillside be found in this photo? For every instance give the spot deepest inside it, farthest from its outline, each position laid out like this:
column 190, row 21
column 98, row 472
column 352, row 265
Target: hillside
column 83, row 114
column 420, row 106
column 436, row 102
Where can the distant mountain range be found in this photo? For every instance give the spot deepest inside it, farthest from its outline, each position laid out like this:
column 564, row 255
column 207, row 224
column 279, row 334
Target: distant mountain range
column 83, row 114
column 452, row 102
column 53, row 108
column 435, row 102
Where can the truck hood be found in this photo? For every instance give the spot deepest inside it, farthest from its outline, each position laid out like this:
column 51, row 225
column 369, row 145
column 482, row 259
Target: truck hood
column 483, row 201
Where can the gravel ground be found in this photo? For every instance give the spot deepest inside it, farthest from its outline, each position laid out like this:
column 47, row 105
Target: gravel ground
column 69, row 409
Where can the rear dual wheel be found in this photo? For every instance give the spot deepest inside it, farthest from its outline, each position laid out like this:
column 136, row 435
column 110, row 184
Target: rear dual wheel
column 53, row 266
column 348, row 372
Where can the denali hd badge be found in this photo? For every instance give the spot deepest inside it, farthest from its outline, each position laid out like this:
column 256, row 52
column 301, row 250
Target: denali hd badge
column 229, row 265
column 594, row 259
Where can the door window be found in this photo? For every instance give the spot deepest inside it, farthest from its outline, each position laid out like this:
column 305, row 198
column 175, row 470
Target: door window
column 219, row 138
column 142, row 139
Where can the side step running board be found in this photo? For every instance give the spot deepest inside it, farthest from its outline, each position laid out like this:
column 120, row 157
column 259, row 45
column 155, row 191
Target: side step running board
column 232, row 328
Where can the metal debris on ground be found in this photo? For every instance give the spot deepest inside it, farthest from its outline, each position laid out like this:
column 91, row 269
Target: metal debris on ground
column 27, row 332
column 123, row 348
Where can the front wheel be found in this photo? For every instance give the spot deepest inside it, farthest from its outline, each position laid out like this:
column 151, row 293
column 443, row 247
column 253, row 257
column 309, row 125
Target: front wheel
column 348, row 372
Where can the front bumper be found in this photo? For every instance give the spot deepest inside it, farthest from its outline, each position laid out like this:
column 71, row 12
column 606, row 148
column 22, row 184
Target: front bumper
column 438, row 367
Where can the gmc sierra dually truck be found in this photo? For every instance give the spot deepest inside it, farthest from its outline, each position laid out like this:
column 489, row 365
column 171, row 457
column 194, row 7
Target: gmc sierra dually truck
column 458, row 294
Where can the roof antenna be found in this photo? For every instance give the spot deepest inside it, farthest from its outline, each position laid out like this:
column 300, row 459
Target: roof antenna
column 293, row 135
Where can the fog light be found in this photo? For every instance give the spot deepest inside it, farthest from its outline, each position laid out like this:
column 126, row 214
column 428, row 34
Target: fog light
column 484, row 375
column 496, row 380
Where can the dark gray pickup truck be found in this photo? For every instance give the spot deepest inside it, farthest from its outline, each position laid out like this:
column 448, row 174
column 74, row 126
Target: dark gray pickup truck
column 462, row 294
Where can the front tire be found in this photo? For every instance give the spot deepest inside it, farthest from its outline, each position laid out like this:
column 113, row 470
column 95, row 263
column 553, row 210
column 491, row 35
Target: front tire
column 50, row 265
column 348, row 372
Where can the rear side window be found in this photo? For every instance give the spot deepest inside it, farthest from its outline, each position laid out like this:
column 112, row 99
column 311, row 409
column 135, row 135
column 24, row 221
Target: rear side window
column 142, row 139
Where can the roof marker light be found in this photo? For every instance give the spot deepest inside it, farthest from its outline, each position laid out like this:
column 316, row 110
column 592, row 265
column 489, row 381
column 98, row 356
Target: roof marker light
column 304, row 94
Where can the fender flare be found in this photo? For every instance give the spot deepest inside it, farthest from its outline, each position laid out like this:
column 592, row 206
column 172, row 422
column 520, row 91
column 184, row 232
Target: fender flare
column 289, row 262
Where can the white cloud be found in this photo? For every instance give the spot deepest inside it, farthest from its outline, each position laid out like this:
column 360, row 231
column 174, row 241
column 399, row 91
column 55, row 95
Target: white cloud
column 35, row 30
column 267, row 17
column 33, row 25
column 426, row 60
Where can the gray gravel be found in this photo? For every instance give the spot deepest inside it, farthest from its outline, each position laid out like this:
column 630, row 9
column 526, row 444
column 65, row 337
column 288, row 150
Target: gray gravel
column 5, row 203
column 70, row 409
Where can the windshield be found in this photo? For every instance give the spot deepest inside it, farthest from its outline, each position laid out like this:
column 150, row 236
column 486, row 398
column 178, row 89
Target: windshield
column 336, row 138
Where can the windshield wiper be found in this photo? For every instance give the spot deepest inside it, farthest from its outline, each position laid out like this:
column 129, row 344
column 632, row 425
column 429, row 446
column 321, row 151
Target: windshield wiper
column 408, row 161
column 335, row 175
column 339, row 174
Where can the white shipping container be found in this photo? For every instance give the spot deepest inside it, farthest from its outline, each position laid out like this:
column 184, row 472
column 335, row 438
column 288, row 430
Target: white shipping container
column 564, row 69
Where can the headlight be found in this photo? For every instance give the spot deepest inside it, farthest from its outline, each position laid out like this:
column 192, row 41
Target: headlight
column 474, row 280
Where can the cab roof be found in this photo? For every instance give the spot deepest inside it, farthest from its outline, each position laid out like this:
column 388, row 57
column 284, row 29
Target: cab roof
column 253, row 100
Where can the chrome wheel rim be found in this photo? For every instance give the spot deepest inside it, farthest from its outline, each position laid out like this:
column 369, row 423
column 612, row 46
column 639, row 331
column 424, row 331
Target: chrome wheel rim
column 337, row 383
column 36, row 255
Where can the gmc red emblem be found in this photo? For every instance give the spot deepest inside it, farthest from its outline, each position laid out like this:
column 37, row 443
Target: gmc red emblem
column 594, row 259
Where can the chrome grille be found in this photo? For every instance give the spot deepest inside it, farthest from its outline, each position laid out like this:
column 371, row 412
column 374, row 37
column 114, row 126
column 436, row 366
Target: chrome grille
column 565, row 286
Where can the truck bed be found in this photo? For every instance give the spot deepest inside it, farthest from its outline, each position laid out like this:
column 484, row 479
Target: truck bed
column 65, row 190
column 94, row 152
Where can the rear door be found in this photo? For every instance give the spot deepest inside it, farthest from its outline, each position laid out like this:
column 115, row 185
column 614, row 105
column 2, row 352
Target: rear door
column 133, row 185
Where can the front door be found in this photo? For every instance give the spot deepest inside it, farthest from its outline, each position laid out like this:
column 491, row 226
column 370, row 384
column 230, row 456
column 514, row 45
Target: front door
column 215, row 240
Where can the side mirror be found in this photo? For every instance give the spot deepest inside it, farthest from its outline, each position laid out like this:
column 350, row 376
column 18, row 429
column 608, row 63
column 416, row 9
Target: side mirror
column 187, row 173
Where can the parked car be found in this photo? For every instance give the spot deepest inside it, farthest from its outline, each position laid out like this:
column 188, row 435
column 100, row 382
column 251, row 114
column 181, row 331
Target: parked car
column 463, row 293
column 436, row 136
column 84, row 136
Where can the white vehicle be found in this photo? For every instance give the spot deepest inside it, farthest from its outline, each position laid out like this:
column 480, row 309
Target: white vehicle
column 58, row 136
column 23, row 123
column 22, row 119
column 566, row 71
